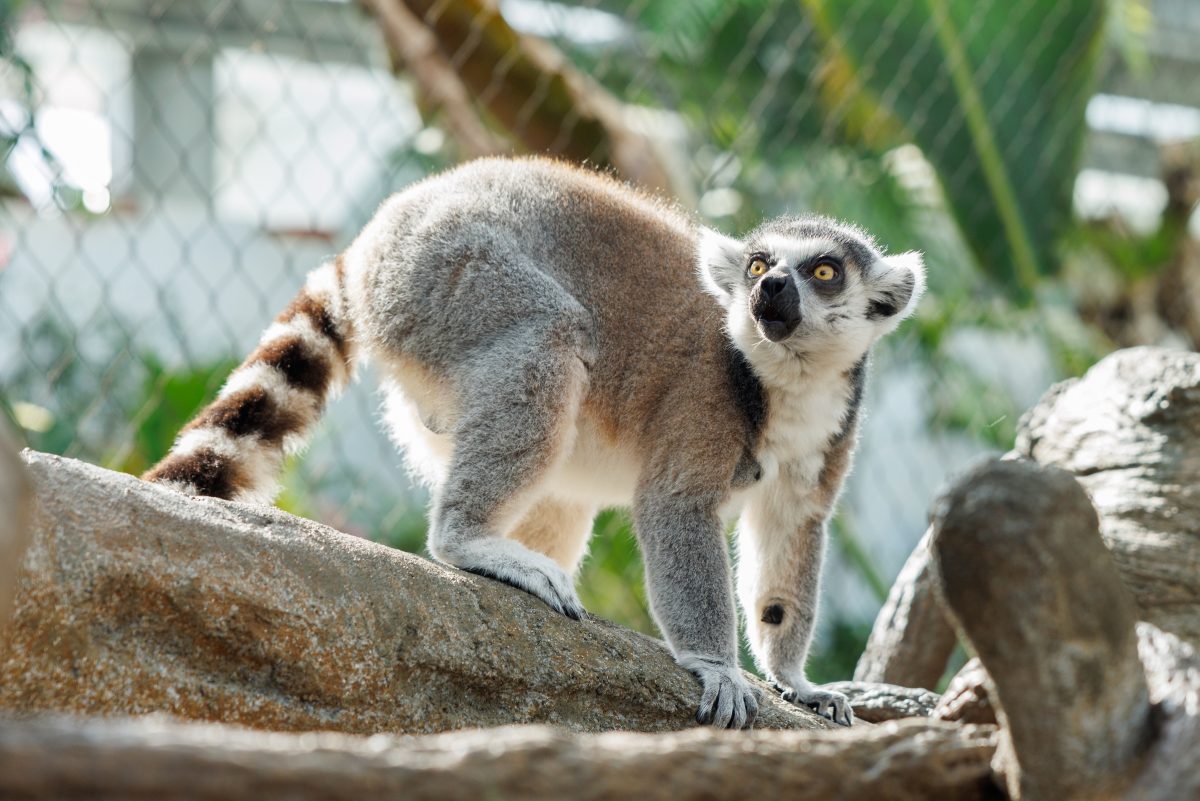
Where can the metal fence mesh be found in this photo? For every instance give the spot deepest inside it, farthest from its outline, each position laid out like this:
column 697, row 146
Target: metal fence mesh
column 175, row 167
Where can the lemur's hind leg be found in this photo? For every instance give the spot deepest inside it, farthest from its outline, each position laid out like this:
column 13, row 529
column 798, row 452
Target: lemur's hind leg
column 559, row 529
column 520, row 398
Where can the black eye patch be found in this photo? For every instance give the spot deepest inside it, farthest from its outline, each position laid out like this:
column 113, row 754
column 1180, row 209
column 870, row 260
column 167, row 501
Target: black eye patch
column 824, row 273
column 759, row 259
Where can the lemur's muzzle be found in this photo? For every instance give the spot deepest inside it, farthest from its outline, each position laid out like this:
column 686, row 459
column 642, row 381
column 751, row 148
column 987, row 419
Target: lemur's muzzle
column 775, row 304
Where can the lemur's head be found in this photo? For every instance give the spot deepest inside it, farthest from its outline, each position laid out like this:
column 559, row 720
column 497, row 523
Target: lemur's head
column 808, row 286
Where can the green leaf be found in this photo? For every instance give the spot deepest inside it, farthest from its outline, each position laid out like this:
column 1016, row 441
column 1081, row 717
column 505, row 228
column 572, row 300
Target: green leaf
column 994, row 93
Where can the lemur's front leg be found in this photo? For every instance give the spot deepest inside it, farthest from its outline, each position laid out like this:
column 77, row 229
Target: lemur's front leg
column 691, row 597
column 781, row 540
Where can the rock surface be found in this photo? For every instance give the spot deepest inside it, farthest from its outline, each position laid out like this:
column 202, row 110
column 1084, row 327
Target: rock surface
column 147, row 758
column 14, row 520
column 135, row 599
column 1130, row 432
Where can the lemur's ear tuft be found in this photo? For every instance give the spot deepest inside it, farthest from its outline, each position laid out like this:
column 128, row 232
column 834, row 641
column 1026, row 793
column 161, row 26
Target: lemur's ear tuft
column 719, row 263
column 895, row 286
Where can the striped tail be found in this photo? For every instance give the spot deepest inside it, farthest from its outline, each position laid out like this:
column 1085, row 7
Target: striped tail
column 235, row 447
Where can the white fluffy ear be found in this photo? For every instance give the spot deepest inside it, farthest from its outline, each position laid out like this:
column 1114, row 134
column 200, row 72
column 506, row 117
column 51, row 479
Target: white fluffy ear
column 719, row 262
column 895, row 286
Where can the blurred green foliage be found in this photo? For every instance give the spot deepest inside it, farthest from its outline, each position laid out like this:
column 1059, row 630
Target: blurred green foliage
column 834, row 656
column 993, row 95
column 611, row 582
column 995, row 98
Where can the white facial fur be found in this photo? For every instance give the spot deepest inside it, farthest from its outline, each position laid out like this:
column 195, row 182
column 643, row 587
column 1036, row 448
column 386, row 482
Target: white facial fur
column 837, row 327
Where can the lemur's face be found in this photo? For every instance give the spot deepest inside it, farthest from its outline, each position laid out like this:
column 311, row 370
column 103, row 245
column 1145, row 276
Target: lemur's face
column 808, row 286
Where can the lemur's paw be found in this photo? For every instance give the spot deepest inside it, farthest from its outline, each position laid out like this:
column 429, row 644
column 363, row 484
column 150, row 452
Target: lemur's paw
column 555, row 587
column 517, row 566
column 728, row 701
column 555, row 590
column 826, row 703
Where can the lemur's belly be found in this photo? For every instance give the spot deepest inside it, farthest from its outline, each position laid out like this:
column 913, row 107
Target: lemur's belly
column 420, row 411
column 595, row 470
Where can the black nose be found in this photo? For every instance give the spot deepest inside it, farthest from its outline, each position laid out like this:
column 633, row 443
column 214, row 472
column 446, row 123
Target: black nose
column 775, row 305
column 772, row 285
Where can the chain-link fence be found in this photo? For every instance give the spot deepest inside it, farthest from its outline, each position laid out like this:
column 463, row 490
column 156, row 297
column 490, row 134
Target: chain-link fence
column 175, row 167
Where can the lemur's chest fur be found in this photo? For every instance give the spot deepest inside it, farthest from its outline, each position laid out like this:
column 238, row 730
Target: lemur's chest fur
column 806, row 416
column 801, row 423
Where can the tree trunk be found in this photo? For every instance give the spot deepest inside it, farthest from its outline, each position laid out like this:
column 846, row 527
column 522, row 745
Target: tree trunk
column 1130, row 431
column 966, row 699
column 119, row 760
column 1019, row 561
column 413, row 47
column 527, row 86
column 876, row 703
column 1172, row 668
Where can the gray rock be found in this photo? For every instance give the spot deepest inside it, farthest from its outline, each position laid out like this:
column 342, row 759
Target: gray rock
column 135, row 599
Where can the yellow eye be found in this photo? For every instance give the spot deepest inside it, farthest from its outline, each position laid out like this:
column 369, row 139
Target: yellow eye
column 758, row 267
column 824, row 272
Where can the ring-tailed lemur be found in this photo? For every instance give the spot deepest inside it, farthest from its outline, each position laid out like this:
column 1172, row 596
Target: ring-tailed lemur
column 548, row 350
